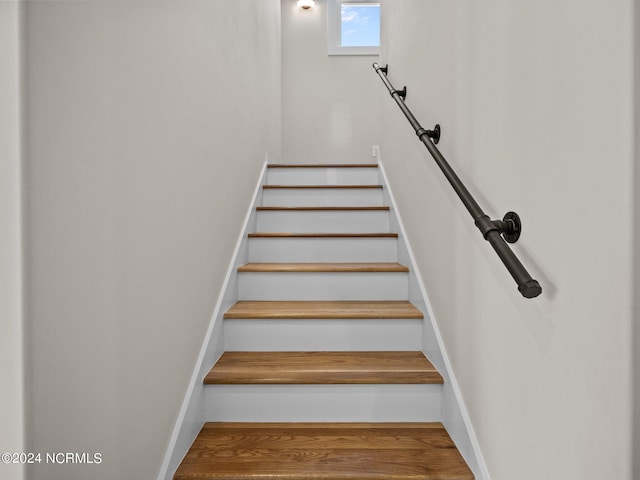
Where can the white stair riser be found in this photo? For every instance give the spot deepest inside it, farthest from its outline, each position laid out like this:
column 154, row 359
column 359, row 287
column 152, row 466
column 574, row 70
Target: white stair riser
column 323, row 286
column 322, row 176
column 321, row 197
column 323, row 249
column 323, row 403
column 356, row 221
column 256, row 335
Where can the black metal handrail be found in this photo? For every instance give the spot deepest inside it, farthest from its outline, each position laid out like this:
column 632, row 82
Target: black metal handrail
column 492, row 230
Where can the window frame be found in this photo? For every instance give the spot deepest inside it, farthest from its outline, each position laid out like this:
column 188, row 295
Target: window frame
column 334, row 29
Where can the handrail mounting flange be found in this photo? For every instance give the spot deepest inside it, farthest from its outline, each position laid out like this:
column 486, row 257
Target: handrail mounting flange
column 513, row 229
column 432, row 134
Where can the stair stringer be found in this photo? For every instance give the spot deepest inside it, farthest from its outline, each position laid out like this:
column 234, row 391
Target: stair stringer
column 455, row 416
column 192, row 415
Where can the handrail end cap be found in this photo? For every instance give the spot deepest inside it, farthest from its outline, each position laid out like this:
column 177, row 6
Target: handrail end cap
column 530, row 289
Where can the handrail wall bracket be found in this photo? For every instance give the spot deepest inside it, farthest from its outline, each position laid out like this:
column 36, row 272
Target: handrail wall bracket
column 510, row 227
column 401, row 93
column 496, row 232
column 432, row 134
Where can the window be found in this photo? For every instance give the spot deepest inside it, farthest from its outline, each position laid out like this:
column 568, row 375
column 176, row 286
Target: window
column 353, row 27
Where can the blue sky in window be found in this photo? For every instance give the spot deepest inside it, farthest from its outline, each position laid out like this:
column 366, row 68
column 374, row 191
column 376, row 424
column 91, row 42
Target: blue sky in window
column 360, row 25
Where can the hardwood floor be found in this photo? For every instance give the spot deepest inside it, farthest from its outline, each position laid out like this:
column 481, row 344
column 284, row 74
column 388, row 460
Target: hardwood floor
column 323, row 267
column 321, row 187
column 325, row 208
column 323, row 309
column 323, row 451
column 322, row 165
column 323, row 368
column 321, row 235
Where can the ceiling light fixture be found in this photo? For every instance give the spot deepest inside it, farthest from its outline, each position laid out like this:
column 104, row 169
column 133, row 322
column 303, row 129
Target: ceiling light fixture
column 305, row 4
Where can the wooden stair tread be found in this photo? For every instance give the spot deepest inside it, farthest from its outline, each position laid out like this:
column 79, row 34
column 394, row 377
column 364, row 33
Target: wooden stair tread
column 323, row 310
column 323, row 165
column 321, row 235
column 327, row 208
column 327, row 368
column 323, row 267
column 323, row 451
column 320, row 187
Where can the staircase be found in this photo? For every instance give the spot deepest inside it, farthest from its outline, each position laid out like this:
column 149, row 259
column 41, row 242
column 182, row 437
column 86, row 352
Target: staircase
column 323, row 376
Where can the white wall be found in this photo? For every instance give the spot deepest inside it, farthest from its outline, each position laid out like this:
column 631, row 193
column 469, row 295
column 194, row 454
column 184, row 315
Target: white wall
column 11, row 309
column 330, row 110
column 148, row 123
column 535, row 99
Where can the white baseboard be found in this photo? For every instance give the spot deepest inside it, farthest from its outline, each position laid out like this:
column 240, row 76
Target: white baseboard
column 327, row 286
column 324, row 403
column 277, row 335
column 381, row 249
